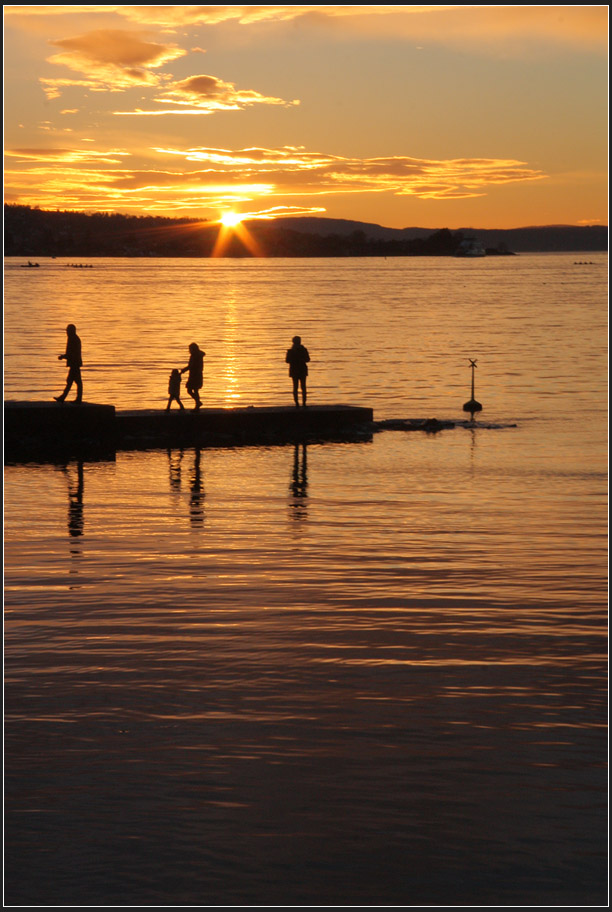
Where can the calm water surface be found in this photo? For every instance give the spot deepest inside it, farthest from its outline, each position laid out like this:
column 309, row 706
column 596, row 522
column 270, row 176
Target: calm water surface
column 334, row 674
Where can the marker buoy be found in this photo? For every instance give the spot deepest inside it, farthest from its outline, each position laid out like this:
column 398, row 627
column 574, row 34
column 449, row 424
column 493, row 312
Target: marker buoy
column 472, row 406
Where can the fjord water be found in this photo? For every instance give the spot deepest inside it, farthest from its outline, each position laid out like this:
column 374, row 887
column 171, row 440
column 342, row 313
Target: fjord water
column 325, row 674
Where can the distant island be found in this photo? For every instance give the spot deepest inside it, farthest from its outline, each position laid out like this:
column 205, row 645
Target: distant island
column 33, row 232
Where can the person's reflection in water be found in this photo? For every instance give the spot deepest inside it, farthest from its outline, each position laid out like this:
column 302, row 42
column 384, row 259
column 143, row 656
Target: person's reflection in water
column 75, row 506
column 196, row 510
column 76, row 524
column 174, row 462
column 298, row 485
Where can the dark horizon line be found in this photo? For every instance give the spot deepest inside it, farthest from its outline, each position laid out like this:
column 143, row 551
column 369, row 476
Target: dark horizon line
column 293, row 218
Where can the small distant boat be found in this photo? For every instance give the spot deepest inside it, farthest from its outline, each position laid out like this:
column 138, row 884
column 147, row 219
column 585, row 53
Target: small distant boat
column 471, row 247
column 29, row 265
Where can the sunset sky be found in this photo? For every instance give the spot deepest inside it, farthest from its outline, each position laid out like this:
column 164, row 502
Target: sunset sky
column 430, row 116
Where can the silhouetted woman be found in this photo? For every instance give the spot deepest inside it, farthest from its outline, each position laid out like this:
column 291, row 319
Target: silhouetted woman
column 297, row 357
column 195, row 378
column 73, row 359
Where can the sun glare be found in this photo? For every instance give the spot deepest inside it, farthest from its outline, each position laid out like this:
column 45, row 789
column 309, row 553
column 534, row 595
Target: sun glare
column 233, row 231
column 231, row 219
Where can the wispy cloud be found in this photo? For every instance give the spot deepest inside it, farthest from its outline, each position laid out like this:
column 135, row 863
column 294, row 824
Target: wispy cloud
column 293, row 169
column 222, row 177
column 581, row 26
column 76, row 156
column 205, row 94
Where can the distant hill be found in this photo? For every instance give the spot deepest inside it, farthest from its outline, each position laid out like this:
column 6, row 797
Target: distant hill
column 36, row 232
column 536, row 239
column 343, row 227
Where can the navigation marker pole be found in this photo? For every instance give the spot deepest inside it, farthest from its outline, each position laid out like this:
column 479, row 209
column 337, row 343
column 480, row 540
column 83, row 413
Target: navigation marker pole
column 472, row 406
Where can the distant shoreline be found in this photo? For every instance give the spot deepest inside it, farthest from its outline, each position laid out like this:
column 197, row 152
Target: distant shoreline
column 36, row 233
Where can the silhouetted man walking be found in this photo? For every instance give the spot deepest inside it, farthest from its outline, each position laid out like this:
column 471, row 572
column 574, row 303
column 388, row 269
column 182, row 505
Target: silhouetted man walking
column 73, row 359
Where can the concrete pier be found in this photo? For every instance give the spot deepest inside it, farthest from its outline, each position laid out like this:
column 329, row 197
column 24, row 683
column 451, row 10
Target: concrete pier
column 48, row 429
column 269, row 424
column 40, row 430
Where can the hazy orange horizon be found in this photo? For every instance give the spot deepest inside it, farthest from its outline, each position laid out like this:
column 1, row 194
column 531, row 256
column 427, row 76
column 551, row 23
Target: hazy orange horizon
column 491, row 117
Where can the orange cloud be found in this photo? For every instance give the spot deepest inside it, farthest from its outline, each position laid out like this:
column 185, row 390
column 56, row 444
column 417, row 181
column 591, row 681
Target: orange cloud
column 207, row 94
column 288, row 156
column 294, row 170
column 486, row 26
column 111, row 59
column 113, row 47
column 115, row 60
column 281, row 211
column 578, row 25
column 66, row 155
column 60, row 178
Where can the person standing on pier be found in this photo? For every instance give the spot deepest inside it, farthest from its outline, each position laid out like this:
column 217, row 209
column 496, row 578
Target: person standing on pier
column 297, row 358
column 195, row 377
column 73, row 359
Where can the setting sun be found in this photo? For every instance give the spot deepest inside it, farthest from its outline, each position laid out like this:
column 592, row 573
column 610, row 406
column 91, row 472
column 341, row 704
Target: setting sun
column 233, row 230
column 231, row 219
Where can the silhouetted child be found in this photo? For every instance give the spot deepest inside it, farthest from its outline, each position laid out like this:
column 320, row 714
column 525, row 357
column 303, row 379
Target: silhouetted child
column 174, row 388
